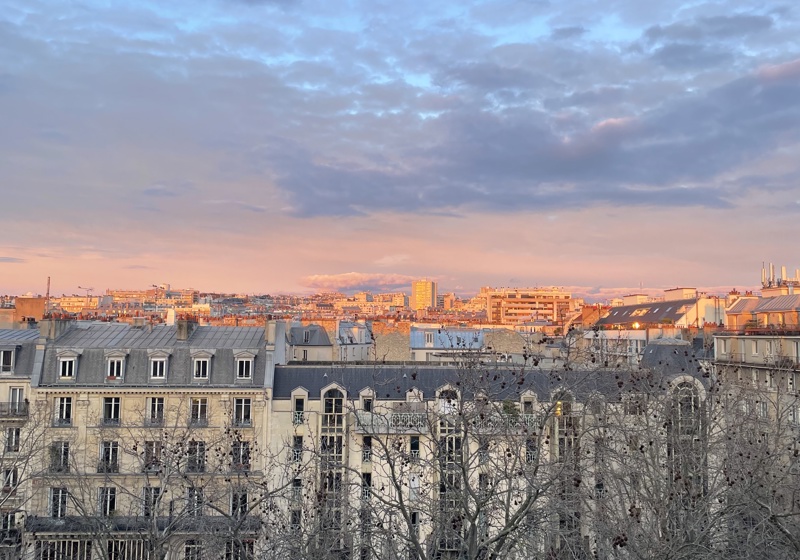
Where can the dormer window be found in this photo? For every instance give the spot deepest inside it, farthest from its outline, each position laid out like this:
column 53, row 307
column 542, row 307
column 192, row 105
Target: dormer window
column 66, row 368
column 159, row 364
column 158, row 368
column 201, row 364
column 7, row 361
column 115, row 363
column 306, row 337
column 114, row 368
column 244, row 364
column 244, row 368
column 67, row 364
column 201, row 368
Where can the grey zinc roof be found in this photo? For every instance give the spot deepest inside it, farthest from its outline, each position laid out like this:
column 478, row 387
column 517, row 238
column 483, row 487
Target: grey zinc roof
column 317, row 336
column 789, row 302
column 119, row 335
column 93, row 340
column 743, row 305
column 653, row 313
column 392, row 382
column 18, row 336
column 23, row 343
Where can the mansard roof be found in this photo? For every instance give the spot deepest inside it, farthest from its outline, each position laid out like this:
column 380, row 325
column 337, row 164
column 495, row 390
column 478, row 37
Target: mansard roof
column 655, row 312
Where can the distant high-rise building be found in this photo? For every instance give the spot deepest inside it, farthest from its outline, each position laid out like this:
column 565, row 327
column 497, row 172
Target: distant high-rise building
column 423, row 294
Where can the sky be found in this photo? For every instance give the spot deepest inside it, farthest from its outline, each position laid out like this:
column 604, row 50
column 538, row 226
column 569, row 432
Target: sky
column 307, row 145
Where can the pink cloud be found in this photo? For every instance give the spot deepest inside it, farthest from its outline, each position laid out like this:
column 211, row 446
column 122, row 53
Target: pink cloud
column 353, row 281
column 786, row 70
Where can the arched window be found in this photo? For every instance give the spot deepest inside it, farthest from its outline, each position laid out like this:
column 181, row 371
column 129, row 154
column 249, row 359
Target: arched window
column 333, row 409
column 687, row 409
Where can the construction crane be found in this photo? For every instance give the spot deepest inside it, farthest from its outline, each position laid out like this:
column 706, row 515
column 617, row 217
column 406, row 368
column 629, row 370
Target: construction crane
column 88, row 291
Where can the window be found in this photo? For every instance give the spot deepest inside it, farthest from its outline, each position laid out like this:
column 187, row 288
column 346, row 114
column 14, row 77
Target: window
column 306, row 337
column 192, row 550
column 299, row 409
column 201, row 368
column 297, row 488
column 366, row 485
column 305, row 355
column 331, row 448
column 109, row 457
column 754, row 347
column 111, row 411
column 428, row 338
column 367, row 405
column 366, row 449
column 414, row 448
column 58, row 502
column 531, row 449
column 17, row 404
column 239, row 550
column 155, row 411
column 241, row 412
column 150, row 495
column 240, row 456
column 194, row 499
column 6, row 361
column 12, row 440
column 413, row 487
column 333, row 413
column 239, row 504
column 10, row 480
column 59, row 456
column 107, row 498
column 199, row 412
column 297, row 449
column 114, row 368
column 196, row 457
column 158, row 368
column 244, row 368
column 763, row 409
column 152, row 455
column 64, row 411
column 295, row 519
column 448, row 402
column 66, row 368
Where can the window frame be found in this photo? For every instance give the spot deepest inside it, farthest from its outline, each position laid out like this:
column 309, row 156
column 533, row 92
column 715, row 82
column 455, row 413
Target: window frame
column 58, row 502
column 201, row 369
column 12, row 443
column 244, row 368
column 67, row 367
column 198, row 411
column 158, row 368
column 106, row 501
column 63, row 411
column 243, row 411
column 9, row 367
column 112, row 411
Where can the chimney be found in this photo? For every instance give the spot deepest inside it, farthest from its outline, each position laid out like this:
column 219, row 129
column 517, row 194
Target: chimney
column 185, row 329
column 51, row 329
column 139, row 322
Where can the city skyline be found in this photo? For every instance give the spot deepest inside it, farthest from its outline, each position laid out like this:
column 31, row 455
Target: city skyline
column 283, row 146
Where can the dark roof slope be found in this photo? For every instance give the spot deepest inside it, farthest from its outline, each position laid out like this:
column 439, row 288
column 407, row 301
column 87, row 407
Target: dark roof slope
column 657, row 312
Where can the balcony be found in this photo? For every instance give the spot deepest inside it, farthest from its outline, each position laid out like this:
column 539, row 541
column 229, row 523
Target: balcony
column 110, row 422
column 391, row 423
column 108, row 467
column 503, row 423
column 366, row 455
column 13, row 410
column 243, row 423
column 198, row 422
column 298, row 417
column 62, row 422
column 154, row 422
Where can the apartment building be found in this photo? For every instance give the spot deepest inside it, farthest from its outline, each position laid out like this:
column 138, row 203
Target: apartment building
column 149, row 441
column 511, row 306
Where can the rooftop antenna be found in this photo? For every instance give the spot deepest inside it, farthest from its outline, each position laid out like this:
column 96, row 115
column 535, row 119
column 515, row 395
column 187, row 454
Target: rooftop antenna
column 47, row 298
column 88, row 291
